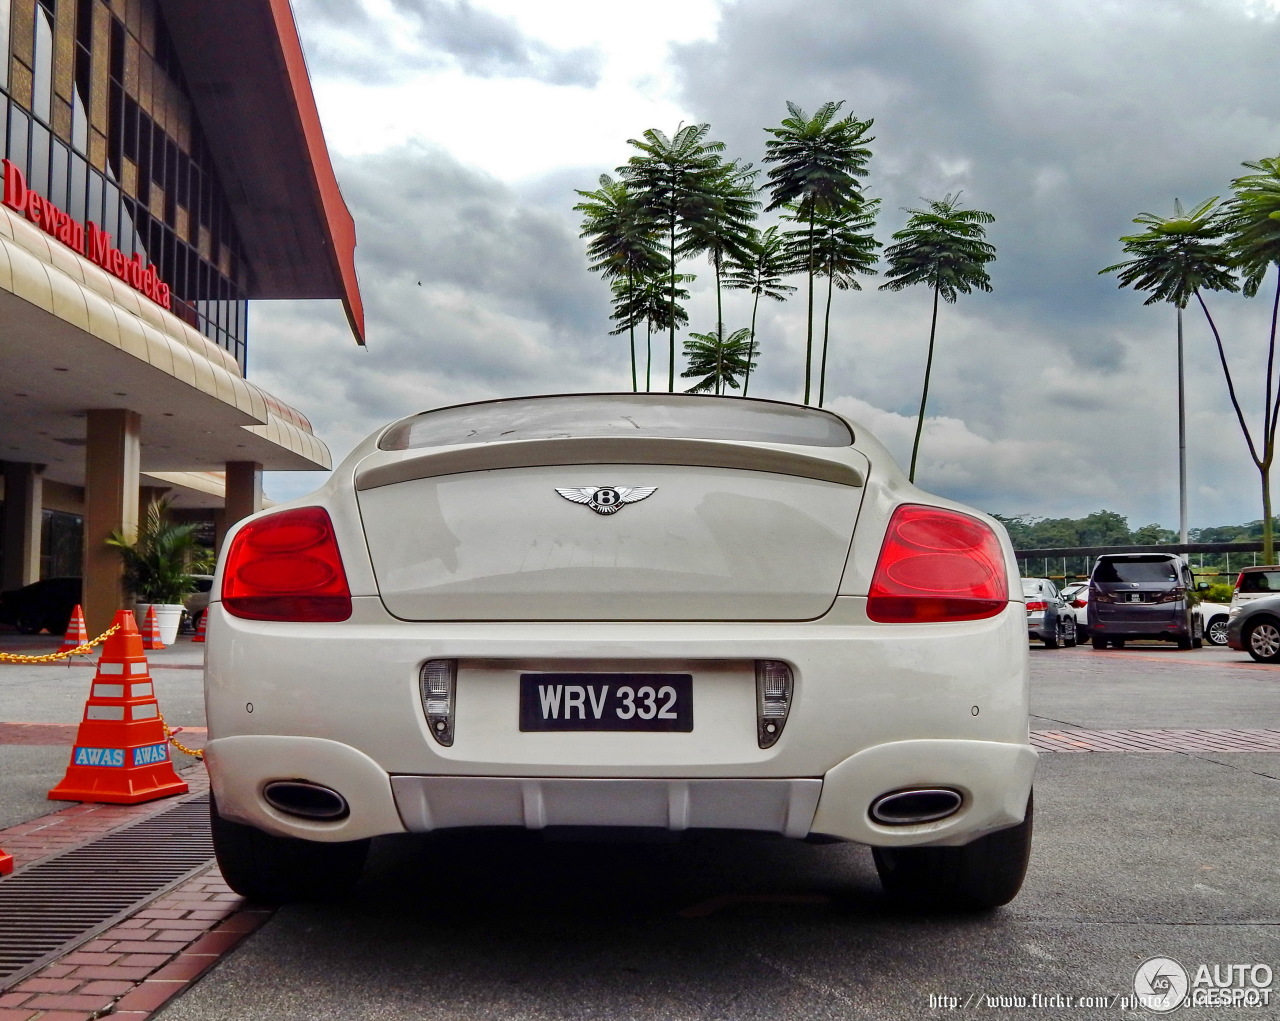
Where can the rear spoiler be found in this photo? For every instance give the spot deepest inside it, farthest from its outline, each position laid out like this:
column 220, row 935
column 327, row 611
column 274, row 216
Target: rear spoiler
column 419, row 464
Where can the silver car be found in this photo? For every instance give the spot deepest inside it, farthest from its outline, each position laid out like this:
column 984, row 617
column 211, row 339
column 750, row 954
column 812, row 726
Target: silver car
column 1049, row 618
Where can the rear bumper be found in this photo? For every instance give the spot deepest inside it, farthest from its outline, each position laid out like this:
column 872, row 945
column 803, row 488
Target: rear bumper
column 993, row 778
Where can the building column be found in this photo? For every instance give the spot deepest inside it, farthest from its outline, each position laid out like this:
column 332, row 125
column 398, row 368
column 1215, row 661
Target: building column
column 23, row 500
column 244, row 495
column 111, row 475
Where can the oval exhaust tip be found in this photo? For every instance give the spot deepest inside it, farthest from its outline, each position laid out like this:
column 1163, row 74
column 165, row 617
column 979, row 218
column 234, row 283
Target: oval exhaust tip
column 915, row 806
column 306, row 799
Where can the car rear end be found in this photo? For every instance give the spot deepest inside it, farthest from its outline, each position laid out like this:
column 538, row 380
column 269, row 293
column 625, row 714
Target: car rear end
column 1140, row 596
column 1255, row 583
column 1040, row 625
column 716, row 614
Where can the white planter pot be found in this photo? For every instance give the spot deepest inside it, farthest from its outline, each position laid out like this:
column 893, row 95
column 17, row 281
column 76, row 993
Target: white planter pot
column 168, row 617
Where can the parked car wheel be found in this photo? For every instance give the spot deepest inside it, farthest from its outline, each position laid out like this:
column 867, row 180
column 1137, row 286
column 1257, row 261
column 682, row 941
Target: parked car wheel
column 980, row 875
column 280, row 870
column 1263, row 641
column 29, row 622
column 1099, row 642
column 1069, row 632
column 1184, row 642
column 1117, row 643
column 1216, row 631
column 1052, row 641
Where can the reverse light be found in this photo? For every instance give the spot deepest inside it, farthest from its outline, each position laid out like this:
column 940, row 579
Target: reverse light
column 773, row 700
column 286, row 566
column 436, row 683
column 937, row 565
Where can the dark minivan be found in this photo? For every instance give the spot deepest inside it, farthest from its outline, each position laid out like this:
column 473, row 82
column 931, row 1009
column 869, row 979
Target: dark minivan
column 1143, row 595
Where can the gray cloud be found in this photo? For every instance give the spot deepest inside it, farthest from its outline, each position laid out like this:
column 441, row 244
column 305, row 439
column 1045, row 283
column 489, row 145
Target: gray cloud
column 346, row 40
column 1053, row 395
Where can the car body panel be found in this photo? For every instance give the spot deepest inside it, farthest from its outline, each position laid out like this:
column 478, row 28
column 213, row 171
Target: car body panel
column 340, row 703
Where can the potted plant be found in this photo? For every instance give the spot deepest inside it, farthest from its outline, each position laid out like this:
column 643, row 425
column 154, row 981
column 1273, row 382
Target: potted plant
column 159, row 563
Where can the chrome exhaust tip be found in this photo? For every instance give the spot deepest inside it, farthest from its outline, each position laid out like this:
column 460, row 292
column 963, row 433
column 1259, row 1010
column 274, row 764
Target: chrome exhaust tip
column 306, row 799
column 915, row 805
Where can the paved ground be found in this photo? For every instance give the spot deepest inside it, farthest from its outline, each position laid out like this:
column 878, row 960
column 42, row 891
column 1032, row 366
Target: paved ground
column 1136, row 855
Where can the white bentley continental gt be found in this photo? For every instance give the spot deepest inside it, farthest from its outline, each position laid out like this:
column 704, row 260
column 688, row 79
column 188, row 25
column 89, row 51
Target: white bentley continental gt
column 621, row 610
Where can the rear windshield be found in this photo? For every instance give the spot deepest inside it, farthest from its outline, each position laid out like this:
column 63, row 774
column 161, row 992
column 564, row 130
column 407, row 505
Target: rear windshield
column 1152, row 570
column 1030, row 588
column 540, row 418
column 1260, row 581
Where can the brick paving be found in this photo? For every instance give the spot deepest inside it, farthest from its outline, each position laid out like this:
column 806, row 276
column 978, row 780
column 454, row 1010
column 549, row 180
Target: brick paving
column 131, row 970
column 1166, row 740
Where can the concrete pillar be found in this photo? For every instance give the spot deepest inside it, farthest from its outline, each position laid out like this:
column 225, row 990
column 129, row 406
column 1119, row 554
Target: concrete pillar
column 23, row 499
column 244, row 494
column 111, row 476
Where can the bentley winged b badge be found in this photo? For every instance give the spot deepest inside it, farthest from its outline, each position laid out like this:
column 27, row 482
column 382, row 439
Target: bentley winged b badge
column 607, row 499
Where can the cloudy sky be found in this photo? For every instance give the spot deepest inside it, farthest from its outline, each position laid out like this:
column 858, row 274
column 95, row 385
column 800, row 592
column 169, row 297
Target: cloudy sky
column 460, row 129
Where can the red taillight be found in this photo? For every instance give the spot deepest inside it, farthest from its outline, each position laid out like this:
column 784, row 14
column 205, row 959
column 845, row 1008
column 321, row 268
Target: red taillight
column 1036, row 606
column 937, row 565
column 1079, row 604
column 287, row 567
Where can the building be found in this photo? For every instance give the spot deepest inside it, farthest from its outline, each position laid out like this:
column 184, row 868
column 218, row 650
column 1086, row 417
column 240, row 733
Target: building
column 163, row 165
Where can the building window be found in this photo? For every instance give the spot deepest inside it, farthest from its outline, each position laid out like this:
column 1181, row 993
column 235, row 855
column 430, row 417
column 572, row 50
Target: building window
column 61, row 544
column 99, row 120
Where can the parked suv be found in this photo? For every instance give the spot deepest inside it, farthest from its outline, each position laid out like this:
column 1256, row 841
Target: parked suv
column 1254, row 583
column 1144, row 595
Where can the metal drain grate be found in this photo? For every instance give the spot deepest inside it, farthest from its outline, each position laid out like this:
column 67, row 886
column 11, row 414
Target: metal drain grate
column 48, row 908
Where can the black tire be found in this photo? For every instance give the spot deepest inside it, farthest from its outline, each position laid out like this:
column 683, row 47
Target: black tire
column 1216, row 632
column 1052, row 642
column 1184, row 642
column 1069, row 633
column 1099, row 642
column 984, row 874
column 279, row 870
column 1262, row 640
column 1117, row 643
column 29, row 622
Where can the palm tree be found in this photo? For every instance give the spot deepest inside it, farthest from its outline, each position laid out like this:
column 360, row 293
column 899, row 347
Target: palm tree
column 1175, row 258
column 1253, row 225
column 723, row 228
column 942, row 246
column 674, row 179
column 623, row 243
column 649, row 302
column 767, row 261
column 718, row 359
column 818, row 161
column 845, row 248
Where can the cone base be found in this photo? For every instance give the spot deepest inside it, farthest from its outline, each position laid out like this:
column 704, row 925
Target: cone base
column 6, row 863
column 116, row 790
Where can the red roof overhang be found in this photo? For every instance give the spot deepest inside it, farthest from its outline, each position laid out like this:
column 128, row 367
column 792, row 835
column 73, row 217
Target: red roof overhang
column 248, row 82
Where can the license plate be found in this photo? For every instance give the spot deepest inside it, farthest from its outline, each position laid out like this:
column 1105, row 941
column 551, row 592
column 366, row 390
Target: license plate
column 1135, row 597
column 606, row 702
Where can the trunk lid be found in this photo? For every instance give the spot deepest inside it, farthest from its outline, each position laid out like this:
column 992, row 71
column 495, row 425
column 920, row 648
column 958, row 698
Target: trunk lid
column 562, row 528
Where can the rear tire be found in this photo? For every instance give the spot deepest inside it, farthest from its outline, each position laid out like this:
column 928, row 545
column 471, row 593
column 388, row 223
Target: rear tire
column 29, row 622
column 1051, row 642
column 984, row 874
column 1069, row 633
column 1117, row 643
column 1099, row 642
column 1184, row 642
column 1216, row 632
column 279, row 870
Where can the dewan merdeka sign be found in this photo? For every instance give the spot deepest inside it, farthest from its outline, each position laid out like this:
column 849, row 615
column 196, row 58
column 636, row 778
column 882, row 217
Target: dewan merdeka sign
column 88, row 239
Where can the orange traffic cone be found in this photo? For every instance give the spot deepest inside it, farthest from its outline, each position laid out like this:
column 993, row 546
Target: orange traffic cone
column 151, row 631
column 76, row 635
column 121, row 754
column 199, row 635
column 6, row 863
